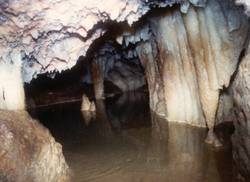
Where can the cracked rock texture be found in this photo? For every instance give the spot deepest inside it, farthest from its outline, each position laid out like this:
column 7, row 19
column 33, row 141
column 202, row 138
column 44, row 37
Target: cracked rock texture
column 28, row 152
column 241, row 97
column 51, row 35
column 241, row 136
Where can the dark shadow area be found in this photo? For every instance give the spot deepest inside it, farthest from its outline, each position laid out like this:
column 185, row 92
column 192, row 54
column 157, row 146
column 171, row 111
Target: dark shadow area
column 59, row 88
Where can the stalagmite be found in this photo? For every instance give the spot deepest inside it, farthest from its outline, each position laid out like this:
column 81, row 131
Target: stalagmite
column 86, row 104
column 11, row 84
column 88, row 109
column 98, row 78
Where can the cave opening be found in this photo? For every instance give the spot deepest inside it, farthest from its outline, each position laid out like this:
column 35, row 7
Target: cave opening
column 152, row 91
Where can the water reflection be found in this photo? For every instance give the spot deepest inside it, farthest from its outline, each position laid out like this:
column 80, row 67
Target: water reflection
column 127, row 143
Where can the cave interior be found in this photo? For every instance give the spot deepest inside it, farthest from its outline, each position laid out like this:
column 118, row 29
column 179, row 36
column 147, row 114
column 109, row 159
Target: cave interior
column 161, row 97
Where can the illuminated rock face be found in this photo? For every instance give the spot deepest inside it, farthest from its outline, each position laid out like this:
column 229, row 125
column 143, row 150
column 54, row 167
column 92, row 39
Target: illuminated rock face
column 193, row 56
column 28, row 152
column 52, row 35
column 11, row 86
column 188, row 57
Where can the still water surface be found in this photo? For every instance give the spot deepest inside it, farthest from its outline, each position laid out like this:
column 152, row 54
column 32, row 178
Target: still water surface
column 124, row 142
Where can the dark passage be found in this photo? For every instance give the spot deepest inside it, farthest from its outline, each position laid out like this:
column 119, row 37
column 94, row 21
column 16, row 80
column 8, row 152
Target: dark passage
column 125, row 142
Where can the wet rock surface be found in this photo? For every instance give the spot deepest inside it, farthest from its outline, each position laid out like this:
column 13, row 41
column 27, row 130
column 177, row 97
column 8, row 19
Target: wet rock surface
column 28, row 152
column 241, row 137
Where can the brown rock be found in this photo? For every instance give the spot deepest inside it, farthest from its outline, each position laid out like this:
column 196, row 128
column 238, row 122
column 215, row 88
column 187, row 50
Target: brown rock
column 28, row 152
column 241, row 136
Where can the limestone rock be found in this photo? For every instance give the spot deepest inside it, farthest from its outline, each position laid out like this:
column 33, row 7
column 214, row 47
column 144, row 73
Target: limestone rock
column 194, row 56
column 52, row 35
column 86, row 103
column 28, row 152
column 241, row 136
column 126, row 77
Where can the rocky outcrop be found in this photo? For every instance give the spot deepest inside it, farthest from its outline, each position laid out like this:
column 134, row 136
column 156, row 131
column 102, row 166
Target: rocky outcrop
column 241, row 136
column 28, row 152
column 194, row 55
column 241, row 95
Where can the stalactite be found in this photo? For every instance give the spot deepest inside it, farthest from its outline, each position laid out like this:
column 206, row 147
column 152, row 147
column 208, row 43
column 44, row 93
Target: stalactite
column 198, row 54
column 12, row 95
column 154, row 80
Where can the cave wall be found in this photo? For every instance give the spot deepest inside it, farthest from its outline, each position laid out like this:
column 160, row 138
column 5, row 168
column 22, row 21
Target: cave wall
column 241, row 136
column 117, row 64
column 50, row 36
column 195, row 56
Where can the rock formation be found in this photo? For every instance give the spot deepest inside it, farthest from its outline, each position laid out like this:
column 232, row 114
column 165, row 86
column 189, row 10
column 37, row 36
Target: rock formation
column 185, row 54
column 197, row 54
column 28, row 152
column 241, row 136
column 117, row 65
column 88, row 109
column 12, row 95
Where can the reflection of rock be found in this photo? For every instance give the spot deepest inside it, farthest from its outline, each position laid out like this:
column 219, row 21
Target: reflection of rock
column 241, row 136
column 103, row 125
column 28, row 152
column 87, row 116
column 128, row 109
column 182, row 150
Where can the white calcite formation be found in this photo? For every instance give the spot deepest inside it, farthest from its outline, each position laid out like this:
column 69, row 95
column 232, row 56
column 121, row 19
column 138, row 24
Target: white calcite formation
column 194, row 55
column 50, row 36
column 12, row 95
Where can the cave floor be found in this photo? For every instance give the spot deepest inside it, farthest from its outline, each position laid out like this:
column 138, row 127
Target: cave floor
column 125, row 142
